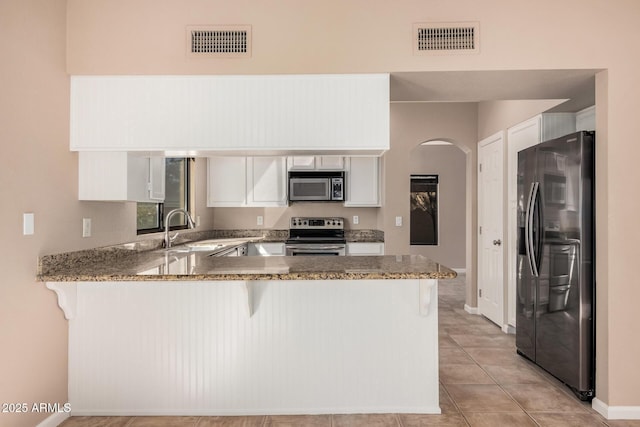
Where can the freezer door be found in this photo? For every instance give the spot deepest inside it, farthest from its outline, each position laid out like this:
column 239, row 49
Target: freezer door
column 525, row 281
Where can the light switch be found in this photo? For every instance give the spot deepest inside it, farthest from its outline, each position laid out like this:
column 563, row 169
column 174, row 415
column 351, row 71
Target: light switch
column 398, row 221
column 86, row 227
column 28, row 223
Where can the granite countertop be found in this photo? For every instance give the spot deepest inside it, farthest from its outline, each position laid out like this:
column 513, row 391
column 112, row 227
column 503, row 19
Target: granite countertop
column 197, row 265
column 145, row 261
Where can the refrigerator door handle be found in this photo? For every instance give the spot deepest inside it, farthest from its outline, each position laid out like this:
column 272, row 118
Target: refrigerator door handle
column 531, row 254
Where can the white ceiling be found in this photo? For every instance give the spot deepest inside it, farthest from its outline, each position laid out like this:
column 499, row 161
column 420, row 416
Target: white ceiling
column 578, row 86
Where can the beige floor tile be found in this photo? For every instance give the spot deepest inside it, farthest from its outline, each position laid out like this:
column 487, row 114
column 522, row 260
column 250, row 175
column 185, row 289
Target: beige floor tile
column 446, row 341
column 566, row 420
column 96, row 422
column 495, row 356
column 510, row 374
column 470, row 329
column 464, row 374
column 446, row 404
column 298, row 421
column 420, row 420
column 502, row 419
column 163, row 422
column 467, row 340
column 366, row 420
column 454, row 355
column 543, row 398
column 231, row 421
column 481, row 398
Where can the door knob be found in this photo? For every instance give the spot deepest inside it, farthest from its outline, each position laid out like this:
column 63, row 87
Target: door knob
column 497, row 242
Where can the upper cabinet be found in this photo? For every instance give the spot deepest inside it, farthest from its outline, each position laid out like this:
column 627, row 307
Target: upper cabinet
column 362, row 182
column 236, row 114
column 296, row 163
column 120, row 176
column 246, row 181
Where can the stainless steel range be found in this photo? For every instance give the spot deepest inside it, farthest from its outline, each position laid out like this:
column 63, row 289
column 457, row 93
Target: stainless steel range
column 316, row 236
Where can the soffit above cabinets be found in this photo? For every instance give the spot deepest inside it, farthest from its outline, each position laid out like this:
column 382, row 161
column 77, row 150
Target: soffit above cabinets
column 259, row 115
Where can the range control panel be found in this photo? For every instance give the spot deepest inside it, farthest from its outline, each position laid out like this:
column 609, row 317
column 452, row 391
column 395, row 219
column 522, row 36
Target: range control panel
column 317, row 223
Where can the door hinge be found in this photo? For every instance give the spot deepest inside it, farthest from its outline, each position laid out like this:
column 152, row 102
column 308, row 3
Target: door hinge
column 480, row 229
column 480, row 167
column 480, row 293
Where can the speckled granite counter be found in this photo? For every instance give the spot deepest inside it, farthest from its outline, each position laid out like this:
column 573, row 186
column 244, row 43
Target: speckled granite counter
column 145, row 261
column 198, row 266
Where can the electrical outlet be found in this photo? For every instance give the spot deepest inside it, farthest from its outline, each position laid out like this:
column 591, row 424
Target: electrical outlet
column 356, row 220
column 260, row 220
column 398, row 221
column 86, row 227
column 28, row 223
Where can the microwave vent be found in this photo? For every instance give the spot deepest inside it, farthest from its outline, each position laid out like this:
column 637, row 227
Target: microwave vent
column 219, row 41
column 446, row 37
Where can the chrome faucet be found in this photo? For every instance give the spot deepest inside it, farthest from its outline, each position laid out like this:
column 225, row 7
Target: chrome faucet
column 168, row 240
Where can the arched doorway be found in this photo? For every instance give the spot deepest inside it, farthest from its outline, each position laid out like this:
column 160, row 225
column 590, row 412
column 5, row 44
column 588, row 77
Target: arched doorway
column 438, row 203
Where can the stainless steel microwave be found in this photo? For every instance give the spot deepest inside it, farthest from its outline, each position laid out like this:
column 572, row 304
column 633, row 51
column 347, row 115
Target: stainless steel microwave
column 316, row 186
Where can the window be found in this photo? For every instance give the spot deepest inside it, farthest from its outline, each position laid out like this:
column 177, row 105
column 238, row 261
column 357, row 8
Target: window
column 424, row 210
column 150, row 216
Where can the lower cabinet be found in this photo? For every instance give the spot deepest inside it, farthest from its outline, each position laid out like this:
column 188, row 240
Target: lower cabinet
column 121, row 176
column 365, row 248
column 246, row 181
column 266, row 249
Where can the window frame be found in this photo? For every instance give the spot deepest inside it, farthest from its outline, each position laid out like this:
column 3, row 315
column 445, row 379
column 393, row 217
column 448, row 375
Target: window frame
column 189, row 201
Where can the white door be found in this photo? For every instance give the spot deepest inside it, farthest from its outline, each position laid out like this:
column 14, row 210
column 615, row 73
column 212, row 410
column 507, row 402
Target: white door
column 490, row 239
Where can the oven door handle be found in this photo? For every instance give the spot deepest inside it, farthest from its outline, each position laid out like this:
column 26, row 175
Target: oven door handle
column 315, row 248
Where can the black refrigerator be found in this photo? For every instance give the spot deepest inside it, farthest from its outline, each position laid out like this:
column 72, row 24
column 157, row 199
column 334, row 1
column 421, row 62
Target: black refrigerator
column 555, row 277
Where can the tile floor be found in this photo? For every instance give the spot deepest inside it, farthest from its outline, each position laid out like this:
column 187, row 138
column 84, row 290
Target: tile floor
column 483, row 382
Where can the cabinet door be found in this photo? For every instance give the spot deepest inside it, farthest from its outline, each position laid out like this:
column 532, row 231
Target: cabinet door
column 365, row 248
column 266, row 249
column 226, row 181
column 301, row 163
column 330, row 163
column 120, row 176
column 266, row 181
column 363, row 182
column 156, row 178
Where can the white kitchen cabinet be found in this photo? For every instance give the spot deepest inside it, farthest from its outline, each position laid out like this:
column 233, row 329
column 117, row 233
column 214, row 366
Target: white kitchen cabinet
column 362, row 182
column 226, row 181
column 586, row 119
column 266, row 249
column 346, row 113
column 246, row 181
column 365, row 248
column 266, row 181
column 301, row 163
column 121, row 176
column 296, row 163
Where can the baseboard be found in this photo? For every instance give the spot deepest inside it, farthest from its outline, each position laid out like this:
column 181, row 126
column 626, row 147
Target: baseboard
column 54, row 420
column 508, row 329
column 460, row 270
column 616, row 412
column 471, row 310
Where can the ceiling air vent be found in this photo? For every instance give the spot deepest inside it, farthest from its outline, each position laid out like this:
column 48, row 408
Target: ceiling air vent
column 446, row 37
column 231, row 41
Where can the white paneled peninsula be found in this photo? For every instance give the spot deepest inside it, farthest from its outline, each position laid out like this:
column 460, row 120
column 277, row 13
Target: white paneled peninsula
column 179, row 332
